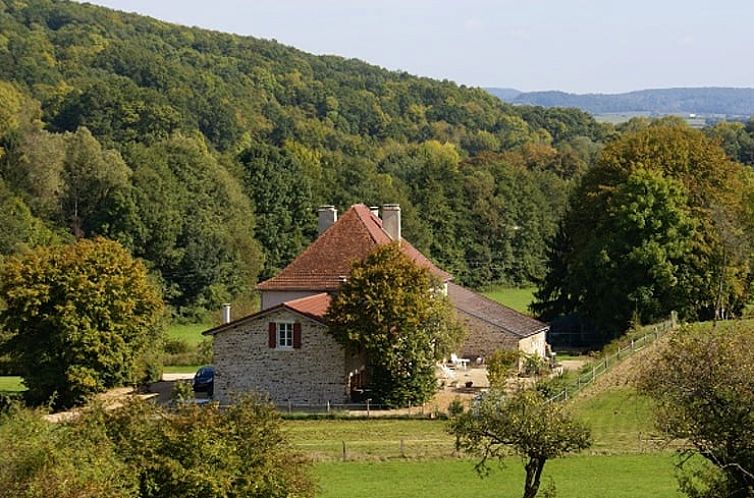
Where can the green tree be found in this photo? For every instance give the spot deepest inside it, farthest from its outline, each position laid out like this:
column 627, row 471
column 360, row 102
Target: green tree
column 394, row 312
column 80, row 319
column 648, row 231
column 523, row 424
column 91, row 176
column 702, row 382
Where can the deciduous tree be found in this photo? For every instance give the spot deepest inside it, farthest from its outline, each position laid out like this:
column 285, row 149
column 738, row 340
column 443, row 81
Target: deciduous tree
column 523, row 424
column 703, row 384
column 80, row 318
column 395, row 312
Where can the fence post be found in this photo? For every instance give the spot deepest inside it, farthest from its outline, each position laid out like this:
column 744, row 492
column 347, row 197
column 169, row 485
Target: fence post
column 403, row 453
column 593, row 374
column 328, row 406
column 566, row 393
column 632, row 344
column 409, row 408
column 368, row 400
column 344, row 451
column 289, row 406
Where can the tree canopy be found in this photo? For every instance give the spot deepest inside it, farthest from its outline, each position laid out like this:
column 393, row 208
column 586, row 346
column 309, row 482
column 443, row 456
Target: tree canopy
column 79, row 318
column 660, row 224
column 524, row 423
column 703, row 385
column 395, row 312
column 195, row 148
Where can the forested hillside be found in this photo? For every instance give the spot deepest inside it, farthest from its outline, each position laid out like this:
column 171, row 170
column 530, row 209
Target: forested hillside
column 206, row 154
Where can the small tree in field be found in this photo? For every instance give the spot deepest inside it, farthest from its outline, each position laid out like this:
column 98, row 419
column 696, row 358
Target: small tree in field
column 703, row 386
column 393, row 311
column 79, row 319
column 524, row 424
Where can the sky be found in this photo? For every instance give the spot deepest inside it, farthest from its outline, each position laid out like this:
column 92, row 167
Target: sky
column 582, row 46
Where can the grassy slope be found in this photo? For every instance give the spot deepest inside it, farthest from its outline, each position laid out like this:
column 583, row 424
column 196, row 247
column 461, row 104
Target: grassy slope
column 621, row 420
column 516, row 298
column 622, row 476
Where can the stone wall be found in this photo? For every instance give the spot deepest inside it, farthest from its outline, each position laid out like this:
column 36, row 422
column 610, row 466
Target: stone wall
column 534, row 344
column 314, row 374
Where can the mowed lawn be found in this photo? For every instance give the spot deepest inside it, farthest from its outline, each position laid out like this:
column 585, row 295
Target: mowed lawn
column 592, row 476
column 516, row 298
column 367, row 439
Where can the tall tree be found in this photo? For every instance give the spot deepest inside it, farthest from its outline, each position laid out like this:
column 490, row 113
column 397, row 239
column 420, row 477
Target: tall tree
column 394, row 311
column 80, row 319
column 640, row 238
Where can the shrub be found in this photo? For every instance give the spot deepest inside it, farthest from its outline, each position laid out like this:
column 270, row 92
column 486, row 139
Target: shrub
column 500, row 365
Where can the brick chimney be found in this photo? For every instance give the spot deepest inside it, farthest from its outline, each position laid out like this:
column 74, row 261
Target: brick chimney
column 391, row 220
column 328, row 215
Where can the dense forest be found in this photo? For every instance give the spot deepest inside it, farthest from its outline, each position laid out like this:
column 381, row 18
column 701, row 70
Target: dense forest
column 206, row 154
column 725, row 101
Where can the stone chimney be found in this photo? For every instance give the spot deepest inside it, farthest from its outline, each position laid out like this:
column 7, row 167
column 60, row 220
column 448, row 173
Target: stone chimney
column 391, row 220
column 328, row 215
column 226, row 313
column 375, row 211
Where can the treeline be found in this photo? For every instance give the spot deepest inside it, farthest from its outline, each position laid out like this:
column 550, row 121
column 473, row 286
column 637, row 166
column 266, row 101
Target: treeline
column 206, row 154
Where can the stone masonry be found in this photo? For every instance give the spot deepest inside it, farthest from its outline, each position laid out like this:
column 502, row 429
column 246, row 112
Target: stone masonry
column 312, row 375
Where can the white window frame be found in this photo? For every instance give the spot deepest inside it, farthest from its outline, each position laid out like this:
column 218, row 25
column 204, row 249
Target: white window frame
column 284, row 330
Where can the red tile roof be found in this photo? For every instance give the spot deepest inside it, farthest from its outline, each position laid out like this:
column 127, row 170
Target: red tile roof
column 327, row 261
column 313, row 307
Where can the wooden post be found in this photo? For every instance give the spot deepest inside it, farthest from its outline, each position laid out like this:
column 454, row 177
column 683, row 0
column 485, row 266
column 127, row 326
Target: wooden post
column 403, row 453
column 566, row 393
column 289, row 406
column 593, row 374
column 368, row 400
column 344, row 451
column 409, row 408
column 328, row 406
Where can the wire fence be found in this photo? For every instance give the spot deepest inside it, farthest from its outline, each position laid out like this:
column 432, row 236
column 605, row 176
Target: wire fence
column 603, row 365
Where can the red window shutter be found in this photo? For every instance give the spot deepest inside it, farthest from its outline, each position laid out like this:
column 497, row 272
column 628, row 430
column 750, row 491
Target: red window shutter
column 273, row 332
column 296, row 335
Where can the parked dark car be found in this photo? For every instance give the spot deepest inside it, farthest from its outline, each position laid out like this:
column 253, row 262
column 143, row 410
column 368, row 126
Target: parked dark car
column 204, row 380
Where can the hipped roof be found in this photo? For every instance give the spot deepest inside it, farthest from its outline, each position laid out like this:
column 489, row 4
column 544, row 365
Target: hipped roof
column 325, row 264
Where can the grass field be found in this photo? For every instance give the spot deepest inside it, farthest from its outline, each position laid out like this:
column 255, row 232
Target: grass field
column 618, row 476
column 516, row 298
column 371, row 439
column 621, row 421
column 191, row 332
column 11, row 384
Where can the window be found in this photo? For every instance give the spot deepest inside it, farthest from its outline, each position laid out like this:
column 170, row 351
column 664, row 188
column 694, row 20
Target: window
column 285, row 334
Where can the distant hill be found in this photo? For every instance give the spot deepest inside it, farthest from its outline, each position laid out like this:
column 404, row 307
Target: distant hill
column 725, row 101
column 505, row 94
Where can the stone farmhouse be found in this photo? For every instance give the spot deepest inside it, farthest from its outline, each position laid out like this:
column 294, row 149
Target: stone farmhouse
column 284, row 350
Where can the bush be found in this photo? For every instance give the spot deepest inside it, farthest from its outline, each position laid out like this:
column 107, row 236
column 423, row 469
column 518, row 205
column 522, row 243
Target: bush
column 142, row 450
column 500, row 365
